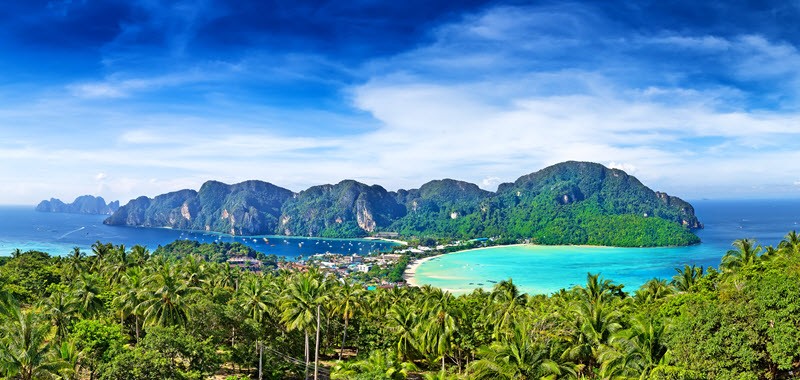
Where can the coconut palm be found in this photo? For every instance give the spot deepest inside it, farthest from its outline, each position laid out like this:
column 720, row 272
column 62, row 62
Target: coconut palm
column 593, row 325
column 255, row 298
column 139, row 255
column 598, row 290
column 438, row 324
column 61, row 307
column 87, row 294
column 349, row 301
column 505, row 299
column 635, row 352
column 790, row 244
column 26, row 347
column 71, row 357
column 687, row 277
column 302, row 295
column 401, row 323
column 653, row 290
column 745, row 253
column 75, row 263
column 166, row 304
column 517, row 356
column 379, row 365
column 130, row 296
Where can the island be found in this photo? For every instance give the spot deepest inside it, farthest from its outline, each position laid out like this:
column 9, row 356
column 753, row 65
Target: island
column 84, row 204
column 567, row 203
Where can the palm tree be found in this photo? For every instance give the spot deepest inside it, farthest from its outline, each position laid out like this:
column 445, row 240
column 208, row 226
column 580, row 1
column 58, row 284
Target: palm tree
column 100, row 252
column 117, row 263
column 402, row 321
column 746, row 253
column 87, row 291
column 516, row 357
column 71, row 357
column 167, row 291
column 61, row 307
column 130, row 296
column 599, row 290
column 653, row 290
column 379, row 365
column 505, row 298
column 255, row 298
column 75, row 262
column 438, row 326
column 349, row 302
column 139, row 255
column 790, row 244
column 593, row 326
column 303, row 293
column 686, row 277
column 635, row 352
column 26, row 350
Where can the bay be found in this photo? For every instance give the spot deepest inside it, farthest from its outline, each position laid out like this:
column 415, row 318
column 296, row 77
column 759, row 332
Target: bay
column 57, row 233
column 546, row 269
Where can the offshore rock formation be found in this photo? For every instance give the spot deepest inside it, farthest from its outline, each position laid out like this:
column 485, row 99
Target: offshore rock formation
column 85, row 204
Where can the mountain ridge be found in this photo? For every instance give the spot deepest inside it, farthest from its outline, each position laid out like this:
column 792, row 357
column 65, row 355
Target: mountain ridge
column 84, row 204
column 567, row 203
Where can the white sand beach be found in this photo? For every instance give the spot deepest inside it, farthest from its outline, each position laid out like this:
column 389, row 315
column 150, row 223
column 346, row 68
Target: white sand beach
column 411, row 270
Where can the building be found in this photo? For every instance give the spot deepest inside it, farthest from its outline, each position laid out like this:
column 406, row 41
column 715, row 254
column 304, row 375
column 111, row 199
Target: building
column 363, row 268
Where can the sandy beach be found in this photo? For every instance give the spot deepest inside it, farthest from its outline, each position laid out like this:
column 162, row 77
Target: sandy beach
column 411, row 270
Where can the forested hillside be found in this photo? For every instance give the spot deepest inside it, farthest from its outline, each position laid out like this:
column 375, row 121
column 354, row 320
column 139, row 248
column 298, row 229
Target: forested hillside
column 567, row 203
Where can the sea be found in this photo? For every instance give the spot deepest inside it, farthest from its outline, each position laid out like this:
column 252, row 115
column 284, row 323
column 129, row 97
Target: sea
column 547, row 269
column 23, row 228
column 534, row 269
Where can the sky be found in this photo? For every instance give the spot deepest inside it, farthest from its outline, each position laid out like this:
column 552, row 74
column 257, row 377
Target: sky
column 143, row 97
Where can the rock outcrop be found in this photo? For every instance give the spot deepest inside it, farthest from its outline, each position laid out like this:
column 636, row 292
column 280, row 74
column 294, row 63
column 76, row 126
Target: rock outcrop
column 567, row 203
column 84, row 204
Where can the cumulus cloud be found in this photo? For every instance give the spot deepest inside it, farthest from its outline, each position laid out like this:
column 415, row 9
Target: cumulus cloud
column 486, row 98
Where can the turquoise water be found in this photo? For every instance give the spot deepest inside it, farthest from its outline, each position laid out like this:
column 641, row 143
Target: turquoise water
column 25, row 229
column 546, row 269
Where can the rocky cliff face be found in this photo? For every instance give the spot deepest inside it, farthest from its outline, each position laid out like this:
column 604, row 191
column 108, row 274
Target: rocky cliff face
column 567, row 203
column 348, row 208
column 85, row 204
column 246, row 208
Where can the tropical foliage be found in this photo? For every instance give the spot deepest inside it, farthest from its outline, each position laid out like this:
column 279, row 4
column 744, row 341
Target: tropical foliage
column 122, row 313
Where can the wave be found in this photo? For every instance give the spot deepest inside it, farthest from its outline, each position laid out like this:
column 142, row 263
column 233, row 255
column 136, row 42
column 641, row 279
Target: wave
column 71, row 232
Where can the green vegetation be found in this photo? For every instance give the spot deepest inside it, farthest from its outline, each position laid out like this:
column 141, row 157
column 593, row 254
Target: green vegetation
column 217, row 252
column 570, row 203
column 567, row 203
column 125, row 314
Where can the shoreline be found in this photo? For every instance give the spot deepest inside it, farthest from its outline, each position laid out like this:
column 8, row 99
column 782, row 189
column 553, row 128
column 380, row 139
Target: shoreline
column 409, row 275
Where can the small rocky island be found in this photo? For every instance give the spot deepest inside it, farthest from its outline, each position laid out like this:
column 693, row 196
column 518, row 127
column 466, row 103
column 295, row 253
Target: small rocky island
column 84, row 204
column 567, row 203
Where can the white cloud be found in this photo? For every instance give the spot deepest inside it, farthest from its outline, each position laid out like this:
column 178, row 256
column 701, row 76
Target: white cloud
column 494, row 96
column 101, row 177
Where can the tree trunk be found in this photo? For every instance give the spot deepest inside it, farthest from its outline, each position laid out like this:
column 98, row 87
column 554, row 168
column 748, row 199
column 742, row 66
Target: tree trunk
column 316, row 349
column 136, row 320
column 344, row 337
column 442, row 365
column 305, row 376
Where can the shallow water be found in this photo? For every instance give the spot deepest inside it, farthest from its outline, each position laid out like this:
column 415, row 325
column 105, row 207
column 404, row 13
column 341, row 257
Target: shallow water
column 546, row 269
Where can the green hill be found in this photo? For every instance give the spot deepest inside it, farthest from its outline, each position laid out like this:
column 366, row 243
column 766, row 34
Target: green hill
column 567, row 203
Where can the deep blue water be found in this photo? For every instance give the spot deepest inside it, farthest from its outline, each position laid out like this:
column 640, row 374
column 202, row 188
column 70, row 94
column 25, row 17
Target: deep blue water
column 55, row 233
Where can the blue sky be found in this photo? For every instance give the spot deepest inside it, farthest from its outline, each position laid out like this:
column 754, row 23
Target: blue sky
column 128, row 98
